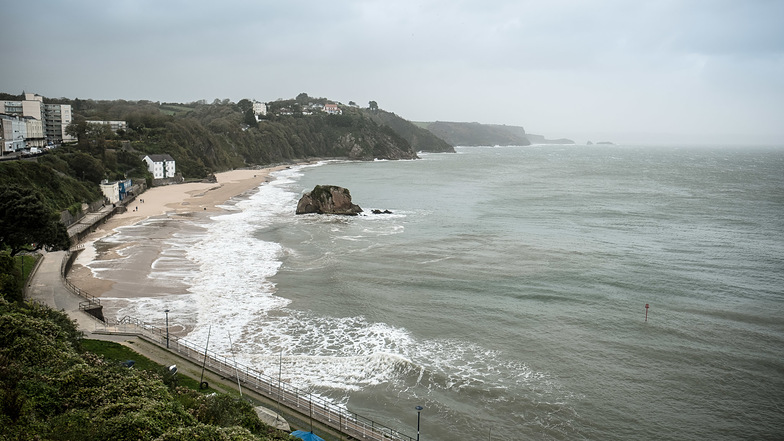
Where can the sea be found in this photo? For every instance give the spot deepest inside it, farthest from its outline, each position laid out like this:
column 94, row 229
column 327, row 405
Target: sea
column 545, row 292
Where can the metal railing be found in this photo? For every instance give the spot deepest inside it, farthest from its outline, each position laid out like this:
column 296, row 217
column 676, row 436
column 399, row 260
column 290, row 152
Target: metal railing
column 305, row 403
column 91, row 302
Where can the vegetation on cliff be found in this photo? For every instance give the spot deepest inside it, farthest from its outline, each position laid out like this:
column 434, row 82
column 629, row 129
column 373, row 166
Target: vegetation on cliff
column 58, row 190
column 420, row 139
column 51, row 389
column 27, row 224
column 205, row 138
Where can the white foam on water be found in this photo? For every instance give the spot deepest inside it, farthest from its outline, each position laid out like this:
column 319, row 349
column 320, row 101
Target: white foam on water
column 228, row 268
column 232, row 286
column 234, row 300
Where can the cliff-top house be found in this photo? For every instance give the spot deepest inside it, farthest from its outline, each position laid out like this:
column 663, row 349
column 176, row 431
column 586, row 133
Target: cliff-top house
column 332, row 109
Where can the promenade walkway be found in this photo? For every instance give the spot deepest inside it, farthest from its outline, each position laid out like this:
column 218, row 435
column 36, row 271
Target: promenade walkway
column 81, row 228
column 46, row 286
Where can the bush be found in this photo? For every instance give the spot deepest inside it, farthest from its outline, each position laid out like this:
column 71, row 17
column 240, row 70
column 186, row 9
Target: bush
column 49, row 390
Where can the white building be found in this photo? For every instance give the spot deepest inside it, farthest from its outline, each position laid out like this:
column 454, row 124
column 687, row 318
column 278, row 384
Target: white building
column 114, row 126
column 54, row 118
column 161, row 166
column 259, row 109
column 35, row 133
column 13, row 131
column 111, row 190
column 332, row 109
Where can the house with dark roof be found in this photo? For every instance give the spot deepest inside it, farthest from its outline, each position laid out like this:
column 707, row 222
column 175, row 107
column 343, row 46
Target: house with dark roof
column 161, row 166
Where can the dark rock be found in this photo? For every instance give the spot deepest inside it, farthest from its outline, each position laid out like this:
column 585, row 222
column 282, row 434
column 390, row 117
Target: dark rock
column 380, row 211
column 328, row 199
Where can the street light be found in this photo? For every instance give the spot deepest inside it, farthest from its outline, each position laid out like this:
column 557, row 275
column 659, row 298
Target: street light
column 167, row 327
column 418, row 409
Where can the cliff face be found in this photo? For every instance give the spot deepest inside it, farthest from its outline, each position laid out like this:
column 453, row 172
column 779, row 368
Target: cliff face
column 421, row 140
column 539, row 139
column 372, row 144
column 328, row 199
column 475, row 134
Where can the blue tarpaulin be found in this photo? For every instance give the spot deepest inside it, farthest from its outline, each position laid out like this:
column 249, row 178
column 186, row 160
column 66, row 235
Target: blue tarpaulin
column 307, row 436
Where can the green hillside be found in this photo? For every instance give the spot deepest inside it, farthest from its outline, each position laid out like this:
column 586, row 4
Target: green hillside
column 60, row 191
column 51, row 388
column 206, row 138
column 418, row 137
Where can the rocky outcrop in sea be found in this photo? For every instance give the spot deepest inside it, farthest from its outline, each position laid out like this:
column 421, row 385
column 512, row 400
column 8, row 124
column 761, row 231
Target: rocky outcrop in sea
column 328, row 199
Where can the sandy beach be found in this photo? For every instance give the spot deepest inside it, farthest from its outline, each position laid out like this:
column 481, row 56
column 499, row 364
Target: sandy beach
column 170, row 203
column 189, row 198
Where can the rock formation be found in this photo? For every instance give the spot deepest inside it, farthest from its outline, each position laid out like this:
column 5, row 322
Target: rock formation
column 328, row 199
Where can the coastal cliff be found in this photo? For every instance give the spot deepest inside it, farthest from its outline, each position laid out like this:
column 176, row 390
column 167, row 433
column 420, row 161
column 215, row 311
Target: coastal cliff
column 476, row 134
column 420, row 139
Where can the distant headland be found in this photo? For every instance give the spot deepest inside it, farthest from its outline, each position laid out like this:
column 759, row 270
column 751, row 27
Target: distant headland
column 476, row 134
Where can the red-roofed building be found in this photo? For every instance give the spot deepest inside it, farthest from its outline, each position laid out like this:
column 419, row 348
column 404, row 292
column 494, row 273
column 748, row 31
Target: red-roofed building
column 332, row 109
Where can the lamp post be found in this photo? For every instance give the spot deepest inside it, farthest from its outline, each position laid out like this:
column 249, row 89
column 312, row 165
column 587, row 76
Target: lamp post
column 167, row 327
column 418, row 409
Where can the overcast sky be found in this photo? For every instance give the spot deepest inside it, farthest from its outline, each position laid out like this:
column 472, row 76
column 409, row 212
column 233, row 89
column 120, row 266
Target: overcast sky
column 627, row 71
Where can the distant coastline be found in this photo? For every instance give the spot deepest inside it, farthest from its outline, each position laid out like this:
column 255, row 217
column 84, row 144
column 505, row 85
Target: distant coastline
column 476, row 134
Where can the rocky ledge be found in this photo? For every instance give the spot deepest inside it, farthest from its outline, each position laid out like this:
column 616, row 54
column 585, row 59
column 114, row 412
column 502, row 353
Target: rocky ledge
column 328, row 199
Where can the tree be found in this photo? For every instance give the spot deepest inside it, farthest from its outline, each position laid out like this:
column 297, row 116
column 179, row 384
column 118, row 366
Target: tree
column 86, row 167
column 245, row 104
column 27, row 225
column 10, row 278
column 249, row 118
column 373, row 105
column 78, row 129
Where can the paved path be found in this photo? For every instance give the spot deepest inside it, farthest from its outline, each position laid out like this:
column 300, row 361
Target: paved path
column 83, row 225
column 46, row 286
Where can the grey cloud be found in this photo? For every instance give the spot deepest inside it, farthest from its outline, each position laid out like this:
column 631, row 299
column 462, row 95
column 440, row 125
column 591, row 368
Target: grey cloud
column 562, row 67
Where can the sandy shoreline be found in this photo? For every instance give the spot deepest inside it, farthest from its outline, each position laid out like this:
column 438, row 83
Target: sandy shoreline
column 190, row 197
column 172, row 201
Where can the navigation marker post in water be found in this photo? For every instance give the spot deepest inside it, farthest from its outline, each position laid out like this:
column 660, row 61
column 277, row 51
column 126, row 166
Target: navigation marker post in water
column 646, row 312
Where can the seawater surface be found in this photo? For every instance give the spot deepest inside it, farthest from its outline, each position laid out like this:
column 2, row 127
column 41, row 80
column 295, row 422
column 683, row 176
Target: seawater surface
column 506, row 293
